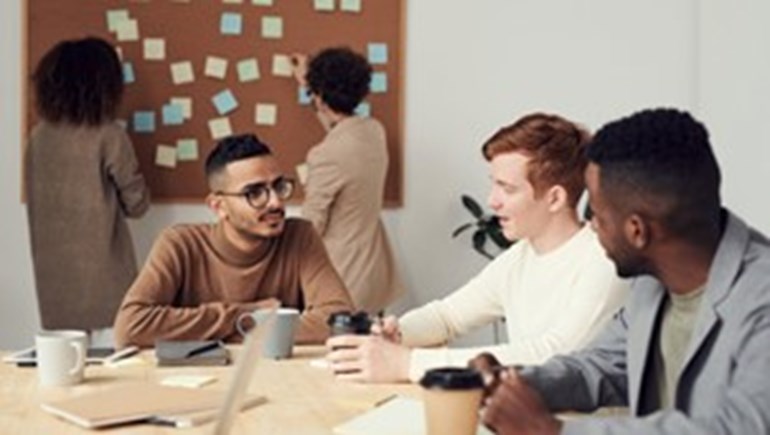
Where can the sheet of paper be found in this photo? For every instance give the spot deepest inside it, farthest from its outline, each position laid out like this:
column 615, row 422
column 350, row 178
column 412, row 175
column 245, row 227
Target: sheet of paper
column 281, row 65
column 187, row 149
column 323, row 5
column 378, row 53
column 128, row 73
column 182, row 72
column 215, row 67
column 165, row 156
column 248, row 70
column 127, row 30
column 272, row 27
column 266, row 114
column 173, row 114
column 186, row 103
column 350, row 5
column 115, row 17
column 144, row 121
column 225, row 102
column 379, row 83
column 187, row 381
column 231, row 23
column 220, row 127
column 154, row 48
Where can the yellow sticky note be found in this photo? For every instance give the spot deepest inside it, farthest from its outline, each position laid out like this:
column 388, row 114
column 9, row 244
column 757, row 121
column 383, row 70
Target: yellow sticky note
column 182, row 72
column 302, row 171
column 220, row 127
column 185, row 103
column 350, row 5
column 323, row 5
column 215, row 67
column 154, row 48
column 262, row 2
column 248, row 70
column 272, row 27
column 187, row 149
column 281, row 65
column 127, row 30
column 266, row 114
column 165, row 156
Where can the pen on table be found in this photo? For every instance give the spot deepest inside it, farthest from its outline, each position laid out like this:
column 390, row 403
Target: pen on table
column 203, row 349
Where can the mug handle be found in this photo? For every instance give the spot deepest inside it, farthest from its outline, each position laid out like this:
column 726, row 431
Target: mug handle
column 80, row 362
column 239, row 325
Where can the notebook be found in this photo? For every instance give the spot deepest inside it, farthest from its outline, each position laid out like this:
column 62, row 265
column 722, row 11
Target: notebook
column 154, row 403
column 191, row 353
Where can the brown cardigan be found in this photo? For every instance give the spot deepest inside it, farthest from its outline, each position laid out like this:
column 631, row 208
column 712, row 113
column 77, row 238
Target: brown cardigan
column 195, row 284
column 81, row 184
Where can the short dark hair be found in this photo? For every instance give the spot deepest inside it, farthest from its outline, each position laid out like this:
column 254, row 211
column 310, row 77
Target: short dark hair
column 340, row 77
column 555, row 146
column 79, row 82
column 661, row 160
column 234, row 148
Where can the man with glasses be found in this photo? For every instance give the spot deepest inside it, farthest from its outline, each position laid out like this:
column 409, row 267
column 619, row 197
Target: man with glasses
column 200, row 278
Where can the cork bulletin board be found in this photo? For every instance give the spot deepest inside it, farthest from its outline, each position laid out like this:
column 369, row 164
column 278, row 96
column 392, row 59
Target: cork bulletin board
column 193, row 67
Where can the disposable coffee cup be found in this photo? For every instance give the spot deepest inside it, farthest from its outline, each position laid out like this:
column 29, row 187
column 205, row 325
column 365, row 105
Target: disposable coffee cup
column 61, row 357
column 452, row 397
column 279, row 339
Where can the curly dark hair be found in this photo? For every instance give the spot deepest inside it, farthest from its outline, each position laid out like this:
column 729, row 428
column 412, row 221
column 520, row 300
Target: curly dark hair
column 340, row 77
column 660, row 160
column 231, row 149
column 79, row 82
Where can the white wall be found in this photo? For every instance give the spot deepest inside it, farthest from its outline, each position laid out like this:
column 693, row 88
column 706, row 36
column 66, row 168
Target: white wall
column 470, row 70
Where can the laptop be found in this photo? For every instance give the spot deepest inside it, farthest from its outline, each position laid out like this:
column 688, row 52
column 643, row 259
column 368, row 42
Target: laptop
column 180, row 407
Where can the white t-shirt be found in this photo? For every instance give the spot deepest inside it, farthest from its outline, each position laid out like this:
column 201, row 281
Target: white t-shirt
column 553, row 303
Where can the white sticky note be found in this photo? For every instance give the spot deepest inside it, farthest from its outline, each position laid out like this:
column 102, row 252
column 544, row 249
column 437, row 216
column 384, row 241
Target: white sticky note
column 154, row 48
column 182, row 72
column 187, row 381
column 282, row 65
column 248, row 70
column 272, row 27
column 220, row 127
column 187, row 149
column 165, row 156
column 115, row 17
column 323, row 5
column 350, row 5
column 185, row 103
column 127, row 30
column 262, row 2
column 266, row 114
column 302, row 171
column 215, row 67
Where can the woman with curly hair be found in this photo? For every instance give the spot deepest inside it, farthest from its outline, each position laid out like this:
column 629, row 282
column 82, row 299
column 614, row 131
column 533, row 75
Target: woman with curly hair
column 82, row 180
column 346, row 177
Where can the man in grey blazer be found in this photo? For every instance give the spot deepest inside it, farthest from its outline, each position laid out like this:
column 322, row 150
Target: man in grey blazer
column 690, row 352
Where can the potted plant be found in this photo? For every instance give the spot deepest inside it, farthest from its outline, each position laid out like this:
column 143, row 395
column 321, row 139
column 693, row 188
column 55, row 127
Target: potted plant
column 487, row 227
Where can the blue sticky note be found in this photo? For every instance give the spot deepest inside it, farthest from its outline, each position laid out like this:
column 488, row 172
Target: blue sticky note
column 378, row 53
column 144, row 121
column 173, row 114
column 225, row 102
column 379, row 82
column 128, row 73
column 303, row 96
column 231, row 23
column 363, row 110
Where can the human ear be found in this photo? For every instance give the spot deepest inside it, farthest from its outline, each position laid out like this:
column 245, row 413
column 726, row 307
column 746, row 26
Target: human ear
column 637, row 231
column 217, row 205
column 556, row 197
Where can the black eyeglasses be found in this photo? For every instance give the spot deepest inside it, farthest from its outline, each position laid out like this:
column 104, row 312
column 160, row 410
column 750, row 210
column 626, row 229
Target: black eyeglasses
column 258, row 194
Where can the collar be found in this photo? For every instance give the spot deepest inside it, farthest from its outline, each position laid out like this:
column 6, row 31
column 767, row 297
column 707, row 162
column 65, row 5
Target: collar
column 234, row 255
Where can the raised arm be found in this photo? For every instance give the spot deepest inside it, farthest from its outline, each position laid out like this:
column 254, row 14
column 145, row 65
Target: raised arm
column 123, row 171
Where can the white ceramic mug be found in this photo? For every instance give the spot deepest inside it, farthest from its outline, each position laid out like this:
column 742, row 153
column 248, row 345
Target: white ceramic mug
column 61, row 357
column 279, row 340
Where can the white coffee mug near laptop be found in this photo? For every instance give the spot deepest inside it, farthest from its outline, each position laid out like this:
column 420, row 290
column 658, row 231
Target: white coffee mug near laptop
column 61, row 357
column 280, row 338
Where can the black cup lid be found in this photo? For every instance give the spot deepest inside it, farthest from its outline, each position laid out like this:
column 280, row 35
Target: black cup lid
column 358, row 322
column 452, row 378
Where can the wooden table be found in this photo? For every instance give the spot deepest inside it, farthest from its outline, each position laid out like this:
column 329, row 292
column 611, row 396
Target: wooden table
column 302, row 399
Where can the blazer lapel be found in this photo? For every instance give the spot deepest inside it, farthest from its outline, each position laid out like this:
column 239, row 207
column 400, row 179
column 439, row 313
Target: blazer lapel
column 650, row 295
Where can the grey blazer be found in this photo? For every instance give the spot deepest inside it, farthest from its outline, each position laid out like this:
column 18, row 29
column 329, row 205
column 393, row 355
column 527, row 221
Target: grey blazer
column 725, row 383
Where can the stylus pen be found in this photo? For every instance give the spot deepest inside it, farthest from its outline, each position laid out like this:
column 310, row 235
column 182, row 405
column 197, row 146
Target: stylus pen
column 203, row 349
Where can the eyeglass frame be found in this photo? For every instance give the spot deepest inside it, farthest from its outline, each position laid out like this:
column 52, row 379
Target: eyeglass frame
column 267, row 187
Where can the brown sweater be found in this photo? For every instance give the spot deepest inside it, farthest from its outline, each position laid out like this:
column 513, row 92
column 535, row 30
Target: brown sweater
column 195, row 284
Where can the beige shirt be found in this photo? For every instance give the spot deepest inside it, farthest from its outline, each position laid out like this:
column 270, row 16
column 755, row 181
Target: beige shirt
column 195, row 284
column 343, row 200
column 81, row 185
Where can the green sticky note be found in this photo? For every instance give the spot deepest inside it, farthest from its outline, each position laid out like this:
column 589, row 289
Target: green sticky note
column 115, row 17
column 272, row 27
column 248, row 70
column 187, row 149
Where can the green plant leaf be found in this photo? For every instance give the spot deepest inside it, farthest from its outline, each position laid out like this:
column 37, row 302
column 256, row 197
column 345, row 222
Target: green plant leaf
column 472, row 206
column 462, row 228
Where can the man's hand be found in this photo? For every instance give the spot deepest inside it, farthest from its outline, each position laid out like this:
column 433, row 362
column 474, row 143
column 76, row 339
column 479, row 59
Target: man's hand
column 515, row 408
column 388, row 329
column 490, row 369
column 367, row 358
column 299, row 67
